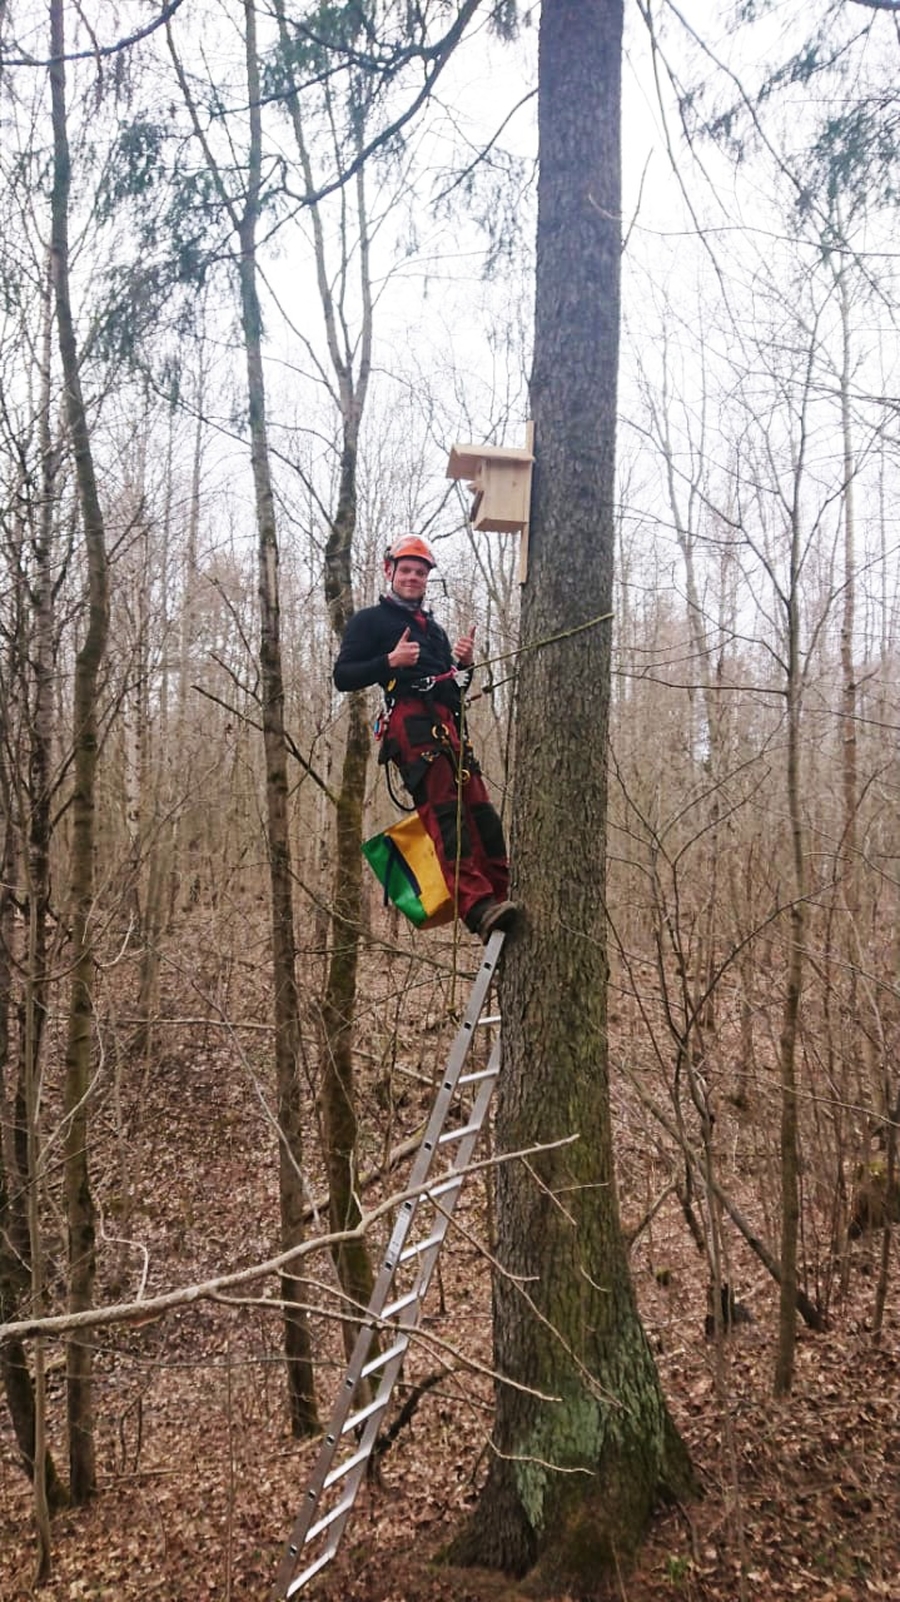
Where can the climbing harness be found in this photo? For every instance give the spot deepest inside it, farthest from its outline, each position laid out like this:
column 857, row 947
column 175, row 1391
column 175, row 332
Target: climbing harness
column 460, row 676
column 423, row 689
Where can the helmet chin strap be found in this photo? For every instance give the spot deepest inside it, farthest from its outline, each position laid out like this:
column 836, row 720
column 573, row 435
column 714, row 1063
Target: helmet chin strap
column 408, row 606
column 411, row 606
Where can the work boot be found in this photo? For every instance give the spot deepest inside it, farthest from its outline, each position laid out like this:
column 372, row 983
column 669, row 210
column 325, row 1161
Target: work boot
column 497, row 915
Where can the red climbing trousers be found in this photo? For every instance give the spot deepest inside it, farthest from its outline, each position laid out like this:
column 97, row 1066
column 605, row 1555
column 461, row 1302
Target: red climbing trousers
column 423, row 741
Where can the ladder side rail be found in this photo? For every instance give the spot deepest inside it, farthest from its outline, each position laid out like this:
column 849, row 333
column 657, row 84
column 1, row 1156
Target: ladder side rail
column 409, row 1316
column 328, row 1449
column 409, row 1207
column 351, row 1484
column 430, row 1139
column 361, row 1364
column 410, row 1319
column 333, row 1441
column 324, row 1478
column 461, row 1162
column 303, row 1529
column 455, row 1062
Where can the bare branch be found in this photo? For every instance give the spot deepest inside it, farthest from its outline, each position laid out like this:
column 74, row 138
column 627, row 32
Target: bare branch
column 96, row 50
column 147, row 1311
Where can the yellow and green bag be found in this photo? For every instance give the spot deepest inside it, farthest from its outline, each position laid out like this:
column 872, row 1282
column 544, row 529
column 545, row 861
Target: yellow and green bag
column 404, row 861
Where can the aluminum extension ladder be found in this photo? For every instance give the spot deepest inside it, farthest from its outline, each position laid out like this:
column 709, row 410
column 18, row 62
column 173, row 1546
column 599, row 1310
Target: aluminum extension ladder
column 411, row 1256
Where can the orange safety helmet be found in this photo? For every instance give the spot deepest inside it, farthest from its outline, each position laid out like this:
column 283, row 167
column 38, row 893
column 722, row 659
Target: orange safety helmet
column 411, row 545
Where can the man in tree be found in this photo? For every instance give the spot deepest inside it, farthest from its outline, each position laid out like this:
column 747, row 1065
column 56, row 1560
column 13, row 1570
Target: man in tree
column 399, row 645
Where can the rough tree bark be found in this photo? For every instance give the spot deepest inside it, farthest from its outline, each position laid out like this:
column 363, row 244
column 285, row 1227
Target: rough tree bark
column 583, row 1441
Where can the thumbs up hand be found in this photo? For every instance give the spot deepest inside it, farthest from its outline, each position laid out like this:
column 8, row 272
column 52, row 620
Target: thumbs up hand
column 464, row 649
column 405, row 652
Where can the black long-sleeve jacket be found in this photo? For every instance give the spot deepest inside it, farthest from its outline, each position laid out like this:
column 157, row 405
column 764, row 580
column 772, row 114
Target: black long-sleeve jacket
column 373, row 632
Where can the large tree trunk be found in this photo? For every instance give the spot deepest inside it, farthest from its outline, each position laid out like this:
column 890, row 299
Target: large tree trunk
column 79, row 1201
column 298, row 1349
column 584, row 1444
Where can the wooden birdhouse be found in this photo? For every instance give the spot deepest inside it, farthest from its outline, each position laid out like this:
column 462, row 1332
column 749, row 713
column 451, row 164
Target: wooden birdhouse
column 499, row 480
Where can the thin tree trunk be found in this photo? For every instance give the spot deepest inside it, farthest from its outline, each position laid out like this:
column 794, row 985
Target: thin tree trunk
column 187, row 634
column 20, row 1241
column 352, row 1258
column 789, row 1133
column 19, row 1244
column 298, row 1349
column 79, row 1201
column 849, row 778
column 891, row 1183
column 338, row 1093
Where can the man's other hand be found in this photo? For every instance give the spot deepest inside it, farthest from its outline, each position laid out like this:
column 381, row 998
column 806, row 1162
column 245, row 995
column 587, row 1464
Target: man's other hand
column 464, row 649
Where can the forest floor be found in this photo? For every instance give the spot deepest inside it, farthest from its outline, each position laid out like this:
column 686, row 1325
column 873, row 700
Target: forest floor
column 199, row 1479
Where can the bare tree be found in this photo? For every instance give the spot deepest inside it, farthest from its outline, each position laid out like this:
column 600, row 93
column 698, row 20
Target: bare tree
column 350, row 355
column 79, row 1200
column 244, row 215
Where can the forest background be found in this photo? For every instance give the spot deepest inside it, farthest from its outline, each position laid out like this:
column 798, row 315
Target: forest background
column 377, row 175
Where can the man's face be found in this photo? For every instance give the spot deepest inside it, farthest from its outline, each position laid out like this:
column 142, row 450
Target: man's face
column 409, row 578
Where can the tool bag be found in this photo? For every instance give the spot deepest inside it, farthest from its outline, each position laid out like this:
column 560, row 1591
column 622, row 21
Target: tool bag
column 404, row 861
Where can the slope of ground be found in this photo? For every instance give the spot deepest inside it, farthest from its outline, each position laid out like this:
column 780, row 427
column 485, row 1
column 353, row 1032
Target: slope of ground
column 200, row 1481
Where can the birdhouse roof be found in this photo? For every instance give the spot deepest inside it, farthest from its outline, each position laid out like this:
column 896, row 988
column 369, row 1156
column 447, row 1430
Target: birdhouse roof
column 464, row 459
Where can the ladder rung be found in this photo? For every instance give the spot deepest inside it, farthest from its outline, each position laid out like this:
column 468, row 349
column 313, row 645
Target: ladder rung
column 298, row 1584
column 344, row 1468
column 383, row 1358
column 434, row 1239
column 458, row 1134
column 476, row 1075
column 446, row 1185
column 492, row 1018
column 329, row 1518
column 375, row 1406
column 393, row 1308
